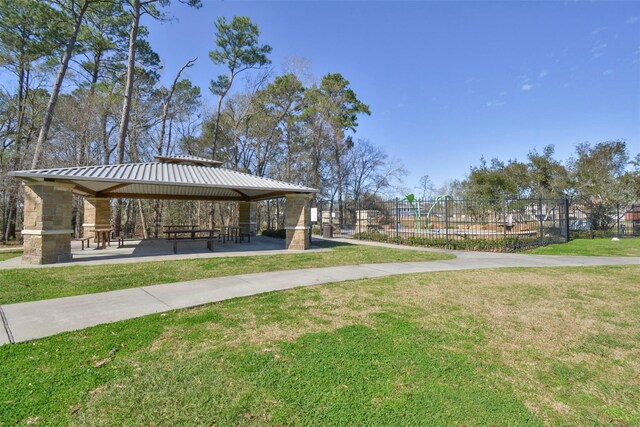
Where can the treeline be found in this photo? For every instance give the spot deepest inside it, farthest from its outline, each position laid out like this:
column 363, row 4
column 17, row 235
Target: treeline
column 602, row 173
column 82, row 86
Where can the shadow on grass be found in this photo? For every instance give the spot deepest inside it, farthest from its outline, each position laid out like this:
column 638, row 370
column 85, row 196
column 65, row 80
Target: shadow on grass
column 329, row 244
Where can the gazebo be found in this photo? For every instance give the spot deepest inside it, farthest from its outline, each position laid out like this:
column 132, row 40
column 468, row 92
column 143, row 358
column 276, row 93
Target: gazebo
column 48, row 198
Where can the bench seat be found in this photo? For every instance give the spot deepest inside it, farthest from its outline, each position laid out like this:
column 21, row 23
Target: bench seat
column 209, row 241
column 86, row 239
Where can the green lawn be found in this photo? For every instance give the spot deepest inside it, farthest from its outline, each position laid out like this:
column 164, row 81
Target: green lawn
column 593, row 247
column 493, row 347
column 5, row 255
column 18, row 285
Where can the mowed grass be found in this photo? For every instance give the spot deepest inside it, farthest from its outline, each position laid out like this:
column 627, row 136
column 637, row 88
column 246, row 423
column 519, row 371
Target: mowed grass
column 19, row 285
column 5, row 255
column 593, row 247
column 494, row 347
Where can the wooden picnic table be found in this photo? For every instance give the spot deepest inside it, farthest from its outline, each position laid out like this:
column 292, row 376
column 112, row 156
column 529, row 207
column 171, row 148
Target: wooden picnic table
column 234, row 233
column 181, row 227
column 191, row 227
column 102, row 237
column 193, row 234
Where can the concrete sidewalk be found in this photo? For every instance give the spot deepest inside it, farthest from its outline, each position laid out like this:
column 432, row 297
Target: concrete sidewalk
column 30, row 320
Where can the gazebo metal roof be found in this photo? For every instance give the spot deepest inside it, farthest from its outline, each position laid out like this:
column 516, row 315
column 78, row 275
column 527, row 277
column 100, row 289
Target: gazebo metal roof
column 178, row 177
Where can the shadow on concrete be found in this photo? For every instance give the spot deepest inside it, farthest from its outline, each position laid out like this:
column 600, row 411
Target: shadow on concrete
column 162, row 250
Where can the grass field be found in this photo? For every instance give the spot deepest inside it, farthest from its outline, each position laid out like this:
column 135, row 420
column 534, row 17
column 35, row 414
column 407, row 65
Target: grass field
column 593, row 247
column 5, row 255
column 491, row 347
column 18, row 285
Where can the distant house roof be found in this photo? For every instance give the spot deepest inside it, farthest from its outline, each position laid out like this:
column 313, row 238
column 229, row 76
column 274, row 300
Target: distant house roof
column 176, row 177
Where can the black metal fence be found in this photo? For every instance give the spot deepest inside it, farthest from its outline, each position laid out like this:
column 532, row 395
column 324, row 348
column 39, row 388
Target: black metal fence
column 505, row 225
column 592, row 220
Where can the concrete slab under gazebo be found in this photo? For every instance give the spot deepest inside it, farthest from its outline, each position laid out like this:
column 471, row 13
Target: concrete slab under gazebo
column 47, row 226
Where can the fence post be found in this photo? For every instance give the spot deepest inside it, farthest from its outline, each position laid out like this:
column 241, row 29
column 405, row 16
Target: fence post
column 397, row 222
column 566, row 220
column 541, row 221
column 504, row 224
column 358, row 226
column 618, row 217
column 446, row 222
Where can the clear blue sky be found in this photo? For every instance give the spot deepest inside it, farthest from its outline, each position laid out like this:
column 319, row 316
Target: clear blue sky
column 449, row 82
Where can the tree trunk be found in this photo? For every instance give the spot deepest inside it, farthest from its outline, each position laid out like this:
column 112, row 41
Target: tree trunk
column 79, row 214
column 126, row 105
column 143, row 222
column 85, row 143
column 167, row 106
column 105, row 138
column 55, row 91
column 268, row 214
column 214, row 148
column 128, row 93
column 339, row 185
column 157, row 220
column 10, row 219
column 212, row 212
column 288, row 152
column 22, row 94
column 218, row 110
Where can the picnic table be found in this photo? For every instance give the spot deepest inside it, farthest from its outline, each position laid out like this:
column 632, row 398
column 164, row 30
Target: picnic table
column 193, row 234
column 168, row 228
column 234, row 233
column 102, row 237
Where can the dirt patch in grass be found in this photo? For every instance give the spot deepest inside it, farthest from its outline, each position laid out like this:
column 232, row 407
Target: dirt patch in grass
column 283, row 316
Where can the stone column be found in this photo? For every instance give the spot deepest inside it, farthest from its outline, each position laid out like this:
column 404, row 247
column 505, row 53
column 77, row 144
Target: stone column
column 247, row 217
column 298, row 221
column 47, row 222
column 366, row 219
column 361, row 218
column 97, row 214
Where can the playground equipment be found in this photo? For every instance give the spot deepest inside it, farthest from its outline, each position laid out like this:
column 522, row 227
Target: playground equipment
column 435, row 203
column 415, row 206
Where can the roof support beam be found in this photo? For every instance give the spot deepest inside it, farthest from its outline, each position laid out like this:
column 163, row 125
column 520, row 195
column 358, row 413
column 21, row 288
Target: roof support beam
column 84, row 191
column 272, row 195
column 243, row 195
column 106, row 191
column 170, row 197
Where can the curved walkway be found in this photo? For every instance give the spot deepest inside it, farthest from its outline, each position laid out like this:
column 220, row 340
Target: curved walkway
column 38, row 319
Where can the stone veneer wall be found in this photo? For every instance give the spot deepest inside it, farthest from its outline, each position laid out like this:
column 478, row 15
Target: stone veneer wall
column 247, row 217
column 298, row 221
column 97, row 214
column 47, row 222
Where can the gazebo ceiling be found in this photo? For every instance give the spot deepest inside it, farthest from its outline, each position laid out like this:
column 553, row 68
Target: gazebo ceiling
column 178, row 177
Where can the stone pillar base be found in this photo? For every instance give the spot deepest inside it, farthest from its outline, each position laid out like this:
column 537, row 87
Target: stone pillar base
column 46, row 248
column 298, row 239
column 97, row 214
column 247, row 217
column 47, row 222
column 298, row 221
